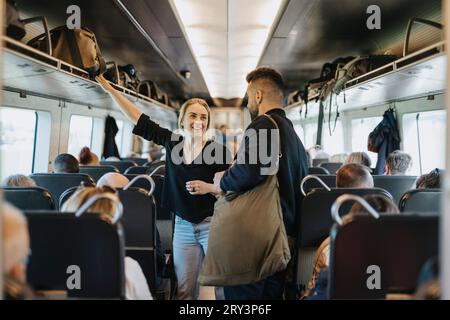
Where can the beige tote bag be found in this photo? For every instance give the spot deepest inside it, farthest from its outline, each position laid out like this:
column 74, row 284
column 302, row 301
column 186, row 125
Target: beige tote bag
column 247, row 239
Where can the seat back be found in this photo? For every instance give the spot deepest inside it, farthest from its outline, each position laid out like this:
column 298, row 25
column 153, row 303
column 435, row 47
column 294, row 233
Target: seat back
column 65, row 247
column 96, row 172
column 139, row 225
column 390, row 250
column 57, row 183
column 141, row 183
column 66, row 195
column 315, row 224
column 155, row 165
column 396, row 185
column 317, row 170
column 315, row 217
column 119, row 165
column 328, row 179
column 29, row 198
column 138, row 161
column 317, row 162
column 332, row 167
column 421, row 200
column 161, row 212
column 137, row 170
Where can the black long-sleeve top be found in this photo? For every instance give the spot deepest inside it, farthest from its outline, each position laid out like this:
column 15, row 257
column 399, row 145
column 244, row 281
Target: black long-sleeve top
column 292, row 165
column 175, row 197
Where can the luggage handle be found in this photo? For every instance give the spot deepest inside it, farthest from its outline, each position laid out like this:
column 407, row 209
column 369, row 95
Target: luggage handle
column 94, row 199
column 350, row 197
column 46, row 31
column 309, row 177
column 409, row 27
column 139, row 177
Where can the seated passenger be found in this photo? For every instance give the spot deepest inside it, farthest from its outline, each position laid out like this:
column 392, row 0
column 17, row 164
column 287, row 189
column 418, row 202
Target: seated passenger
column 360, row 158
column 18, row 180
column 136, row 287
column 16, row 248
column 431, row 180
column 317, row 286
column 66, row 163
column 113, row 180
column 133, row 155
column 88, row 158
column 397, row 163
column 354, row 175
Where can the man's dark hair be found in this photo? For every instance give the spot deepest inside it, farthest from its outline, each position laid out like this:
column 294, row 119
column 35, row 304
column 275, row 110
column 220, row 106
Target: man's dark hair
column 66, row 163
column 354, row 175
column 268, row 74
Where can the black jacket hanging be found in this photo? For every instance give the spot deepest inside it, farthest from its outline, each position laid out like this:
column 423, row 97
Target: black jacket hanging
column 110, row 147
column 384, row 139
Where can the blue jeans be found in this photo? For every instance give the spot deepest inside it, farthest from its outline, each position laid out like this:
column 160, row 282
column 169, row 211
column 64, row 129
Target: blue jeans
column 190, row 242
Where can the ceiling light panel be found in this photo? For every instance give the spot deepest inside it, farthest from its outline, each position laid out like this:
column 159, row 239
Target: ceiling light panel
column 227, row 38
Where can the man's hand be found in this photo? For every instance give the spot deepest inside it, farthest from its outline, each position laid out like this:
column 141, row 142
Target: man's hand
column 217, row 178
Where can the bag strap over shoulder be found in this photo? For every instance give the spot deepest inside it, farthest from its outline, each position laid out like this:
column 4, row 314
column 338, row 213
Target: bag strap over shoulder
column 278, row 128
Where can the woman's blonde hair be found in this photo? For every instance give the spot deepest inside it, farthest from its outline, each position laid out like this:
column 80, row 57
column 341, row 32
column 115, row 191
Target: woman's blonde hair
column 105, row 207
column 190, row 102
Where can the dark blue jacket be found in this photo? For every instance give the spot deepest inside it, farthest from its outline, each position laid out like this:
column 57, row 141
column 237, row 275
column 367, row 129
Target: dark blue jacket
column 384, row 139
column 292, row 166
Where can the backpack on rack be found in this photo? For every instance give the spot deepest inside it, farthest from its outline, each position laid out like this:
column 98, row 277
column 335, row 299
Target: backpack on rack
column 316, row 86
column 78, row 47
column 357, row 67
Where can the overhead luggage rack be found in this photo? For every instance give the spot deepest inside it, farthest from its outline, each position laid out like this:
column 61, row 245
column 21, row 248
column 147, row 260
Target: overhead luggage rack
column 419, row 74
column 37, row 73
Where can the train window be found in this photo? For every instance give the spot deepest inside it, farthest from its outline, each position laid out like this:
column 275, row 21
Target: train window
column 334, row 143
column 17, row 141
column 300, row 132
column 310, row 135
column 361, row 128
column 423, row 136
column 124, row 139
column 80, row 134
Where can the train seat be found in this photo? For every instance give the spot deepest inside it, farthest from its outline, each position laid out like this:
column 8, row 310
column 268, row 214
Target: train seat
column 316, row 222
column 396, row 185
column 57, row 183
column 122, row 166
column 332, row 167
column 421, row 200
column 96, row 172
column 65, row 245
column 29, row 198
column 394, row 246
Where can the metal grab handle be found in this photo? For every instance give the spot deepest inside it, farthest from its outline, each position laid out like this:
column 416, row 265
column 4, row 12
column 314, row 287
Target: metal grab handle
column 94, row 199
column 350, row 197
column 409, row 27
column 46, row 31
column 156, row 170
column 142, row 176
column 309, row 177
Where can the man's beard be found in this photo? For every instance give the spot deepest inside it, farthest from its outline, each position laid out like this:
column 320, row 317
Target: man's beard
column 253, row 113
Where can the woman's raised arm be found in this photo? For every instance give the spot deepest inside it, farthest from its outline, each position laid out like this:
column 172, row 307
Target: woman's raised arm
column 127, row 107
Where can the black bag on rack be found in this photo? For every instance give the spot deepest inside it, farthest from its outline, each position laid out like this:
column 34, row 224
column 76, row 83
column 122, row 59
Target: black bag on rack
column 78, row 47
column 328, row 73
column 15, row 28
column 359, row 66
